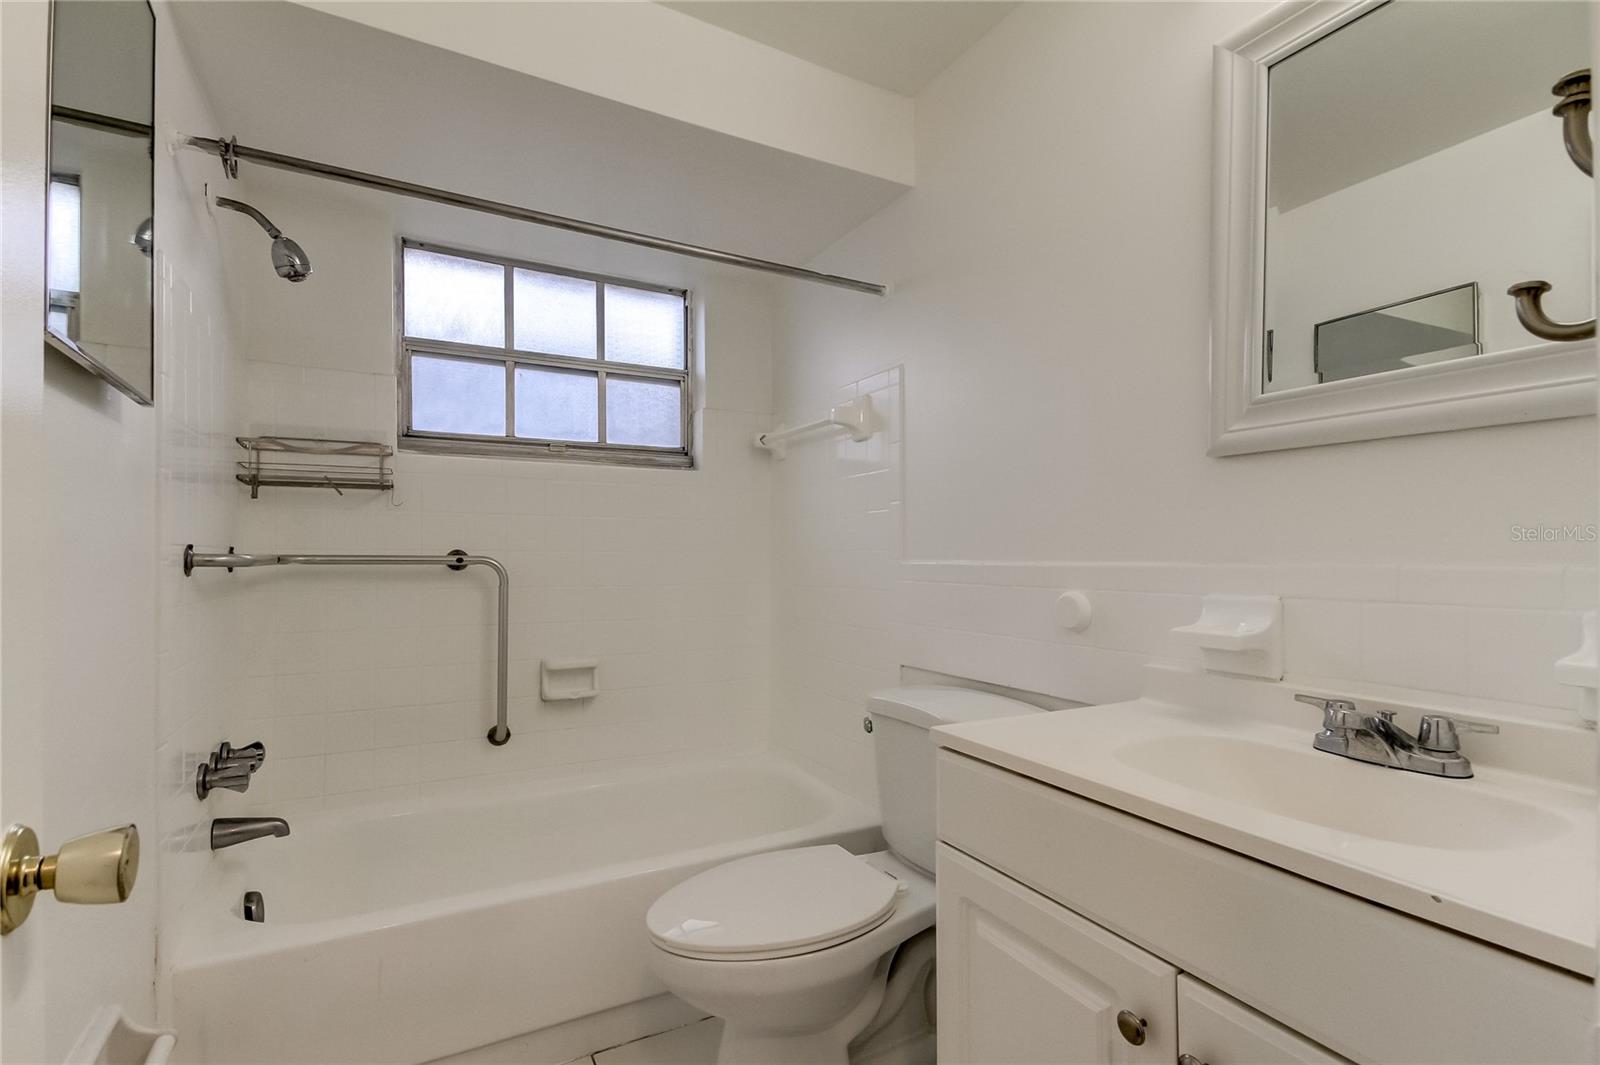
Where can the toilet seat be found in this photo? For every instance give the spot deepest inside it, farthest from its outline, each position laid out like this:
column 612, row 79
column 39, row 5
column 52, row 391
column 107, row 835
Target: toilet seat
column 774, row 905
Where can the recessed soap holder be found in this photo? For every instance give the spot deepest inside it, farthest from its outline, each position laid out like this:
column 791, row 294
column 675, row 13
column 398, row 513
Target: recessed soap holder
column 1238, row 634
column 568, row 679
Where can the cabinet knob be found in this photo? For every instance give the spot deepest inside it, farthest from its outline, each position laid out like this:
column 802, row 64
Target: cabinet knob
column 1132, row 1027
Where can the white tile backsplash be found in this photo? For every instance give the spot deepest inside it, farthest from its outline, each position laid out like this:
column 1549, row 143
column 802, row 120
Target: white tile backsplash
column 849, row 612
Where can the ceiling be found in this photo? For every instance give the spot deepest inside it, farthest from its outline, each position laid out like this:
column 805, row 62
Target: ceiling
column 1410, row 79
column 899, row 45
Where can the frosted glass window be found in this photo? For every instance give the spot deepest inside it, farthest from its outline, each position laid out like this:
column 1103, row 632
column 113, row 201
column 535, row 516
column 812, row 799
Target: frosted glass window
column 649, row 413
column 461, row 396
column 644, row 327
column 554, row 314
column 454, row 299
column 476, row 376
column 558, row 404
column 66, row 210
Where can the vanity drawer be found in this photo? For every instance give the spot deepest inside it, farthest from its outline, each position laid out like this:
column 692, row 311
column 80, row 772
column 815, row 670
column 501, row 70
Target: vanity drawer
column 1365, row 981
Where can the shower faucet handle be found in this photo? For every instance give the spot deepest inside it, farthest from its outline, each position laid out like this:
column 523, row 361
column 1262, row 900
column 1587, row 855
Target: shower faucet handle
column 230, row 767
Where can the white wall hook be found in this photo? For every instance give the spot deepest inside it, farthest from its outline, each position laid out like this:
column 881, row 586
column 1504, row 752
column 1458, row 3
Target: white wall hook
column 855, row 417
column 1239, row 634
column 1581, row 670
column 567, row 679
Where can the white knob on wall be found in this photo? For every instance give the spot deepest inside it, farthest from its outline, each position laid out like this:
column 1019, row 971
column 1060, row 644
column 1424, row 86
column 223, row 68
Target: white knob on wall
column 1074, row 611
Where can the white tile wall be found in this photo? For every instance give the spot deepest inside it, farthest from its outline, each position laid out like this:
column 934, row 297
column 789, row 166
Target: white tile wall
column 365, row 681
column 198, row 388
column 850, row 611
column 374, row 682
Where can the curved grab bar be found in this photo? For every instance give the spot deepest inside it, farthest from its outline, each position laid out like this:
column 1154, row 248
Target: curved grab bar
column 1573, row 110
column 1530, row 312
column 458, row 560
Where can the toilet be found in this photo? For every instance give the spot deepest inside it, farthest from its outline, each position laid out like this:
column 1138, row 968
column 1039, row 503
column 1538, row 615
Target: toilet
column 796, row 950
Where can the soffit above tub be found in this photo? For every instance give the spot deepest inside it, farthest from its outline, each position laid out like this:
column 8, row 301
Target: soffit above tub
column 380, row 102
column 648, row 56
column 899, row 45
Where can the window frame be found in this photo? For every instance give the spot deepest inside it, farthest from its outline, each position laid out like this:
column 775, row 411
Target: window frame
column 509, row 446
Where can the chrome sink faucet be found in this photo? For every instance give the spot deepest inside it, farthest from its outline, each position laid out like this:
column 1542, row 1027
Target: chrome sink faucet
column 1351, row 733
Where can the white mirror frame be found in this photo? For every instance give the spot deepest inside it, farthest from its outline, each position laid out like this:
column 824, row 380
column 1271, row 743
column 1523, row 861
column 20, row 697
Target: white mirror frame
column 1541, row 381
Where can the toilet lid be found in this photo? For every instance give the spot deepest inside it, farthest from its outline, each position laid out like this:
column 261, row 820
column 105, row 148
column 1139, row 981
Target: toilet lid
column 773, row 905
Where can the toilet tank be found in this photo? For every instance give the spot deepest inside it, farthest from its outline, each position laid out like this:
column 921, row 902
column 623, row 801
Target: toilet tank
column 905, row 752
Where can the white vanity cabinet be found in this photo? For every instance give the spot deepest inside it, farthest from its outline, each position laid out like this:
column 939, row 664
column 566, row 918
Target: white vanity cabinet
column 1056, row 914
column 1023, row 980
column 1213, row 1029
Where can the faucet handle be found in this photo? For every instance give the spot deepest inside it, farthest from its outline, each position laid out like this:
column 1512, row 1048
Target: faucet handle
column 1336, row 713
column 1440, row 733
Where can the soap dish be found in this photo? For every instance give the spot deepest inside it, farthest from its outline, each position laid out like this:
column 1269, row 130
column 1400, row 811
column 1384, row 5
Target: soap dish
column 1238, row 634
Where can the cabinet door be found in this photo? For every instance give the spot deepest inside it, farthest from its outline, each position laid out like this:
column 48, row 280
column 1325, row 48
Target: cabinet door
column 1023, row 980
column 1214, row 1029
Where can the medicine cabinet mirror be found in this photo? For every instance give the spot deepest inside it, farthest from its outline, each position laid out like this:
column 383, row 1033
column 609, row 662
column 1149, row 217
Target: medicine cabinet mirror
column 99, row 219
column 1384, row 172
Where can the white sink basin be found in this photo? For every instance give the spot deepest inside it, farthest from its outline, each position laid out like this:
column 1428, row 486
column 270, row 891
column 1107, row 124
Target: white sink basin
column 1344, row 795
column 1506, row 856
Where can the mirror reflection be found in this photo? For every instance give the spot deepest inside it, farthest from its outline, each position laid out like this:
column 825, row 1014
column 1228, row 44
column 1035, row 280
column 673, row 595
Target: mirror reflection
column 1414, row 171
column 99, row 222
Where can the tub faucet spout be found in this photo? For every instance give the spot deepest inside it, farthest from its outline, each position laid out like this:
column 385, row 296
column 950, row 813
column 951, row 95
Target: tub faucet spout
column 231, row 831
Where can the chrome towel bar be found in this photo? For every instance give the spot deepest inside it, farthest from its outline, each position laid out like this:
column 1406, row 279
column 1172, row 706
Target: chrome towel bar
column 231, row 560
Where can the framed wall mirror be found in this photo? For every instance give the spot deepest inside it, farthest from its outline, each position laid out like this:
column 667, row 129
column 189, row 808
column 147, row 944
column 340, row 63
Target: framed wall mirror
column 101, row 200
column 1385, row 170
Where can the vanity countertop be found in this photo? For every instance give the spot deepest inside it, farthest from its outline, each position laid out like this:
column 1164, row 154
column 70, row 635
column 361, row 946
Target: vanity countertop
column 1507, row 857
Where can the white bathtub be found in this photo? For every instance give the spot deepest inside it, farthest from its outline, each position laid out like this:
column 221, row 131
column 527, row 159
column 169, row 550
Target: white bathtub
column 408, row 931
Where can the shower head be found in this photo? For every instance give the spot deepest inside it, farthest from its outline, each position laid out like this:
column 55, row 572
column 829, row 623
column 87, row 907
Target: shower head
column 288, row 258
column 144, row 238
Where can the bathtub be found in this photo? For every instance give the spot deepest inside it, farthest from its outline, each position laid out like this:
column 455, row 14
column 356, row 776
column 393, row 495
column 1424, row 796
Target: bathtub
column 408, row 931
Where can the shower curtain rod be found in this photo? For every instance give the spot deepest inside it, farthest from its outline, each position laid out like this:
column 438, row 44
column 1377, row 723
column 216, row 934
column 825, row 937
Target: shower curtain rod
column 230, row 151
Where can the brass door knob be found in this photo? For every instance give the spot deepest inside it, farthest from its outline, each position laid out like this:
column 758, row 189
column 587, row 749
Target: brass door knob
column 98, row 868
column 1132, row 1027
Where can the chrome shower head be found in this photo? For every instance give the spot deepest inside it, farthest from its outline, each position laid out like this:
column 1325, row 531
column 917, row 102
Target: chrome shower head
column 288, row 258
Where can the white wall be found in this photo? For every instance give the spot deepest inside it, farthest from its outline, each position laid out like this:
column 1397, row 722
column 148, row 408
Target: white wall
column 77, row 611
column 1049, row 319
column 367, row 683
column 1505, row 206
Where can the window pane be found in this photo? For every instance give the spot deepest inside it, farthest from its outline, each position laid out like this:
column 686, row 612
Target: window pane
column 458, row 396
column 644, row 327
column 558, row 405
column 65, row 219
column 554, row 314
column 455, row 299
column 643, row 412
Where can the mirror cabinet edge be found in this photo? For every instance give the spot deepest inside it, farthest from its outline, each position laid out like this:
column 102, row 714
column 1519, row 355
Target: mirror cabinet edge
column 1541, row 380
column 143, row 394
